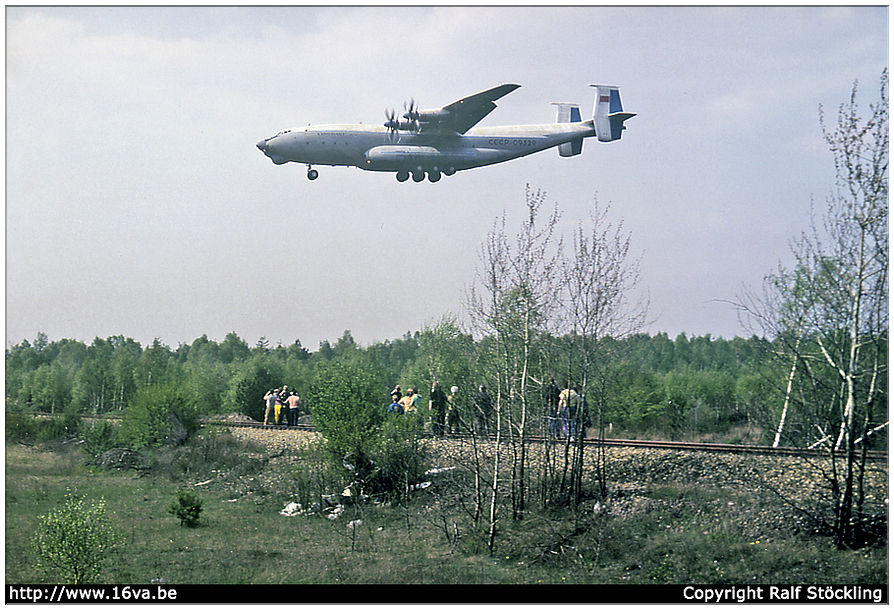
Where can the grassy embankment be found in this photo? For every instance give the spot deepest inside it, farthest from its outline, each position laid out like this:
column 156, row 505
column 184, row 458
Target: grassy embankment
column 686, row 536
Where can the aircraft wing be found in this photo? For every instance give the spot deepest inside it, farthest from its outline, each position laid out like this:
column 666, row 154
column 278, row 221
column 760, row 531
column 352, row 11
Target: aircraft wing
column 466, row 113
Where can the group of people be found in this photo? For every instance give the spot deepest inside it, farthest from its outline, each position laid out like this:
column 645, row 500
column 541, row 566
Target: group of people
column 283, row 407
column 567, row 414
column 445, row 409
column 566, row 411
column 410, row 403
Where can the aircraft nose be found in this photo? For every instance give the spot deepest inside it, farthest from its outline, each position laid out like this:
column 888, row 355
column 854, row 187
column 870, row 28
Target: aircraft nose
column 262, row 146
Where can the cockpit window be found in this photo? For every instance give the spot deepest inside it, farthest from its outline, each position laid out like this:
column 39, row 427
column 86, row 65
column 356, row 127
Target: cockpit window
column 281, row 133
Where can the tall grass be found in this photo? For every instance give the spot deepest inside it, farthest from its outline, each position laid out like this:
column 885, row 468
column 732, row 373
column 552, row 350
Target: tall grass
column 662, row 534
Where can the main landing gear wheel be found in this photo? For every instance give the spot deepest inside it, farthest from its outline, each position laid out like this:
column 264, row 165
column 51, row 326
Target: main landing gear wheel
column 418, row 176
column 434, row 176
column 312, row 174
column 403, row 176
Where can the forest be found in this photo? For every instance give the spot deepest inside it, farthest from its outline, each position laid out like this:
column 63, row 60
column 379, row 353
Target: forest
column 686, row 387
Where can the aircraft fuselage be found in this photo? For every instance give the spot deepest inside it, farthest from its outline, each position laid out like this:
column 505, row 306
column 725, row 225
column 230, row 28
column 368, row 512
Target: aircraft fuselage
column 375, row 148
column 445, row 140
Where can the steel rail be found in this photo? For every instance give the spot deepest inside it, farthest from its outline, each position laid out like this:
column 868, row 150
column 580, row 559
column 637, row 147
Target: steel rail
column 874, row 456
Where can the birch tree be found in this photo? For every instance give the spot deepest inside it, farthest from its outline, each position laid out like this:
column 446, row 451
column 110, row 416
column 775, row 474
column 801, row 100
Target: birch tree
column 513, row 298
column 832, row 310
column 597, row 301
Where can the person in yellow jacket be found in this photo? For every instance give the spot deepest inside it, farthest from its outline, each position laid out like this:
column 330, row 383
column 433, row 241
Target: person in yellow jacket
column 406, row 401
column 568, row 404
column 453, row 419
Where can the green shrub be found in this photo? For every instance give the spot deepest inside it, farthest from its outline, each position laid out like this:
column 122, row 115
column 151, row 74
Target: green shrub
column 248, row 387
column 187, row 507
column 98, row 437
column 400, row 462
column 381, row 455
column 155, row 412
column 56, row 426
column 212, row 449
column 21, row 427
column 75, row 539
column 216, row 448
column 348, row 408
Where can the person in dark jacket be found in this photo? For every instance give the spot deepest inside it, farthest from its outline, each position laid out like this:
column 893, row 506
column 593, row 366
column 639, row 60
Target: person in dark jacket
column 484, row 407
column 437, row 404
column 396, row 407
column 551, row 400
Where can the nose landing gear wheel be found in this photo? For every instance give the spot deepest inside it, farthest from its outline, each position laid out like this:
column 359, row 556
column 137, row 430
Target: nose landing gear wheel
column 312, row 174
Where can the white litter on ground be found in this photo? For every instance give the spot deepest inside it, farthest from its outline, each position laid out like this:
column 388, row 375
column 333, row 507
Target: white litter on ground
column 291, row 509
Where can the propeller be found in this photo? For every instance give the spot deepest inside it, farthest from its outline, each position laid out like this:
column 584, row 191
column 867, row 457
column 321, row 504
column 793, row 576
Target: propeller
column 392, row 123
column 412, row 114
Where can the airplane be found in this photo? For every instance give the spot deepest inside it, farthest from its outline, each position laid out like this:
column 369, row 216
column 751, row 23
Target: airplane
column 445, row 140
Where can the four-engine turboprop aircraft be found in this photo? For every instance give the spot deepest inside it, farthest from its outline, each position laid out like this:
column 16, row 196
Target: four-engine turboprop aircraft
column 443, row 141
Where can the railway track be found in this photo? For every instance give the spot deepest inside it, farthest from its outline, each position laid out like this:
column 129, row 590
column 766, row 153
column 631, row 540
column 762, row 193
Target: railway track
column 874, row 456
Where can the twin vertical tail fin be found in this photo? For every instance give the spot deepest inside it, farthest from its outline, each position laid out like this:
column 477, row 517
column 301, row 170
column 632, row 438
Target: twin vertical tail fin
column 608, row 118
column 608, row 114
column 569, row 113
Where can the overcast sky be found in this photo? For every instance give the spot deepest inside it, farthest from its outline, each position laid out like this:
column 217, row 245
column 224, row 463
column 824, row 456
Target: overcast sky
column 138, row 205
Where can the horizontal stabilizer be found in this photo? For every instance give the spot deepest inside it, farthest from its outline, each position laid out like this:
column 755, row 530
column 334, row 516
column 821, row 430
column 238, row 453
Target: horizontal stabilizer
column 621, row 116
column 572, row 148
